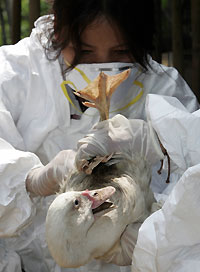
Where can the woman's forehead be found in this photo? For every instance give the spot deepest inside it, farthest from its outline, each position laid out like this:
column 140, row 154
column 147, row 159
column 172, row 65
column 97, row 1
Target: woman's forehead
column 101, row 31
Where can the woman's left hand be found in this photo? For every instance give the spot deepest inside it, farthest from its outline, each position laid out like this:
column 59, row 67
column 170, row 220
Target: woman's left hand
column 118, row 135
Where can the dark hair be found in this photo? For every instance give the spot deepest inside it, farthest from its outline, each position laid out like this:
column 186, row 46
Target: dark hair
column 134, row 18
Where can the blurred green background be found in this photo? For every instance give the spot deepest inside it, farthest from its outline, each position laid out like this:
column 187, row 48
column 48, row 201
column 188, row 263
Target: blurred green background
column 6, row 15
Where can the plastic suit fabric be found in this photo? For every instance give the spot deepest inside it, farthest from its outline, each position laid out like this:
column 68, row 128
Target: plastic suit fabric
column 35, row 124
column 169, row 240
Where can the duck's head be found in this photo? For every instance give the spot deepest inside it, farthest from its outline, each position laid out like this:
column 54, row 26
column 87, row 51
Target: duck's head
column 72, row 225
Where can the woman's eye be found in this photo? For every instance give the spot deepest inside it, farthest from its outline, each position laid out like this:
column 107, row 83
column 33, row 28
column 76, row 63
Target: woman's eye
column 85, row 52
column 122, row 52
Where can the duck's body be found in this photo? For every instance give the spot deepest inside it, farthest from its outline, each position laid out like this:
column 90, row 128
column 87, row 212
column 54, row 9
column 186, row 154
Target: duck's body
column 75, row 235
column 76, row 231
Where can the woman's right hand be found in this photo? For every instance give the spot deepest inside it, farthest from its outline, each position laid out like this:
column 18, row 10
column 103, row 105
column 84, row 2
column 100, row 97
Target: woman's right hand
column 45, row 180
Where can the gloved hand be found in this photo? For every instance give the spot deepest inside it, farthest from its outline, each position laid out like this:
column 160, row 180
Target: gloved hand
column 119, row 135
column 122, row 253
column 45, row 180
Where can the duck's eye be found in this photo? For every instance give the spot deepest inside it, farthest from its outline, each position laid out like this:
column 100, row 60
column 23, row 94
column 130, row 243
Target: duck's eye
column 95, row 194
column 76, row 203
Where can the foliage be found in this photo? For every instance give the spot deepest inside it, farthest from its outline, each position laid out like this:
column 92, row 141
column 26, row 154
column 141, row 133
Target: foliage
column 5, row 18
column 25, row 11
column 25, row 31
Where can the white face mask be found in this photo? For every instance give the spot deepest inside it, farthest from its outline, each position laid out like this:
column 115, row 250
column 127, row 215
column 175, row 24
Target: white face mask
column 83, row 74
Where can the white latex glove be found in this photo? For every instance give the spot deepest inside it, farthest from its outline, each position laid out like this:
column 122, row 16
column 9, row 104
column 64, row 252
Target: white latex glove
column 119, row 135
column 45, row 180
column 122, row 254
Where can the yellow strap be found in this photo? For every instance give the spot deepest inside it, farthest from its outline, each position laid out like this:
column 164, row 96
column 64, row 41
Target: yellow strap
column 83, row 75
column 135, row 99
column 80, row 71
column 64, row 89
column 138, row 83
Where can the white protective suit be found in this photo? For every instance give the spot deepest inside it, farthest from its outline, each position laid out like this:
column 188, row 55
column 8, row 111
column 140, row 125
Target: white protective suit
column 35, row 124
column 169, row 240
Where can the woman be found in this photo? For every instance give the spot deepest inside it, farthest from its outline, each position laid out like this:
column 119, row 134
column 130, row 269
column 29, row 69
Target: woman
column 39, row 127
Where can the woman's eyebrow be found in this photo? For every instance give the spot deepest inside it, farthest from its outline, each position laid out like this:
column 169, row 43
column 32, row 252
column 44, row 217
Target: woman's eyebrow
column 87, row 45
column 120, row 45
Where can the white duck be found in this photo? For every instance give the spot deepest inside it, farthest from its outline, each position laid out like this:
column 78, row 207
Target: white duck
column 90, row 213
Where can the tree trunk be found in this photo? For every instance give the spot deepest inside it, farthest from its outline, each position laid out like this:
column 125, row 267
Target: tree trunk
column 177, row 42
column 34, row 12
column 158, row 30
column 2, row 22
column 9, row 4
column 16, row 21
column 195, row 16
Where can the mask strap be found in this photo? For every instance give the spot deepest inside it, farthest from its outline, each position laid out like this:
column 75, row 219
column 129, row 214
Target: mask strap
column 87, row 80
column 135, row 99
column 64, row 89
